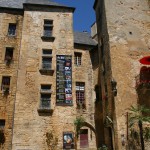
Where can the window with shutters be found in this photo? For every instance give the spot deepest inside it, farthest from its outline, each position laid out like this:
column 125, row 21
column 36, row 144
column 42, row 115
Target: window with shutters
column 80, row 94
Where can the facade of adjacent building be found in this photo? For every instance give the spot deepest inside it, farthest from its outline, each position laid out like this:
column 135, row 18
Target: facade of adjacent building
column 47, row 78
column 123, row 29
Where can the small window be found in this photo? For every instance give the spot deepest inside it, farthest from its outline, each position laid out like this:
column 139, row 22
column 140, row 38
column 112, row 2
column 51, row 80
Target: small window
column 47, row 52
column 5, row 84
column 45, row 101
column 46, row 88
column 12, row 29
column 80, row 94
column 48, row 28
column 2, row 124
column 84, row 138
column 77, row 57
column 9, row 54
column 46, row 63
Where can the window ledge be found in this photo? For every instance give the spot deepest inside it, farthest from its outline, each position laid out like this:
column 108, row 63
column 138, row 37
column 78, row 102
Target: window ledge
column 45, row 110
column 48, row 38
column 46, row 71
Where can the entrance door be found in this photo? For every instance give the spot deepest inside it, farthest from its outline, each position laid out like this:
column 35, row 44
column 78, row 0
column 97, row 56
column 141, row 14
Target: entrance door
column 84, row 138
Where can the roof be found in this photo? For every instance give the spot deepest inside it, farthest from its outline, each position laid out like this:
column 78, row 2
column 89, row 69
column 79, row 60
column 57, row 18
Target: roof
column 84, row 38
column 18, row 4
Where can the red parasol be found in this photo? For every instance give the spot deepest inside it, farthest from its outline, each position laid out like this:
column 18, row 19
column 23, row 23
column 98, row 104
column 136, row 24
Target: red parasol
column 145, row 60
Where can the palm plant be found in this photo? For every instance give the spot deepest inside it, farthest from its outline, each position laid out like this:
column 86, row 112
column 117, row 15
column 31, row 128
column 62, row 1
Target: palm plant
column 137, row 117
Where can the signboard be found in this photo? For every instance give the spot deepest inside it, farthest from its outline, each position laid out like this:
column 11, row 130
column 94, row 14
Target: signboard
column 68, row 140
column 64, row 80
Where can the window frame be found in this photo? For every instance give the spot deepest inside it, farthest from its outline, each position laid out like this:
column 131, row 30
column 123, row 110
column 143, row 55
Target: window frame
column 77, row 58
column 11, row 31
column 48, row 23
column 5, row 87
column 46, row 56
column 80, row 94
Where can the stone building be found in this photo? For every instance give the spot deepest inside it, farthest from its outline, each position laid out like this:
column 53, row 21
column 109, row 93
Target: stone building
column 123, row 30
column 47, row 77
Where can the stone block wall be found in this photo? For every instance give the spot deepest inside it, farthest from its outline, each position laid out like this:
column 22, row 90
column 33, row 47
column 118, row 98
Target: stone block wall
column 123, row 28
column 30, row 127
column 7, row 101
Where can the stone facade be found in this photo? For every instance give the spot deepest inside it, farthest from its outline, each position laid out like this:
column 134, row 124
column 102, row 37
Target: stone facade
column 9, row 70
column 26, row 125
column 123, row 36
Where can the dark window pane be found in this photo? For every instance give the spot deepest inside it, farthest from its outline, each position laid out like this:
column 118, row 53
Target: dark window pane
column 9, row 54
column 45, row 87
column 5, row 83
column 2, row 124
column 12, row 29
column 46, row 63
column 47, row 31
column 47, row 52
column 45, row 100
column 48, row 22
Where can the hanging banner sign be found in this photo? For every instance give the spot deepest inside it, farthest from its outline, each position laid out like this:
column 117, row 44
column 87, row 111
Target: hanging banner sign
column 64, row 80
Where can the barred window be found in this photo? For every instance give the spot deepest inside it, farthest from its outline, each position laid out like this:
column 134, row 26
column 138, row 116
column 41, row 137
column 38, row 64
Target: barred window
column 78, row 57
column 80, row 94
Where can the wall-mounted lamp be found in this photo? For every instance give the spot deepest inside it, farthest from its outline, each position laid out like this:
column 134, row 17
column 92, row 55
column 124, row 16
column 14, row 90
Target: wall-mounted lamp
column 123, row 140
column 114, row 89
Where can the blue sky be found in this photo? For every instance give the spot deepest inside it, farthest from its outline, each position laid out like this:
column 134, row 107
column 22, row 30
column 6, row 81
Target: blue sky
column 84, row 15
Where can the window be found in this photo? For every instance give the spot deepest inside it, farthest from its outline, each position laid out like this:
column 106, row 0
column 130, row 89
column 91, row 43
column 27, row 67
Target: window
column 45, row 96
column 47, row 59
column 48, row 28
column 77, row 57
column 2, row 124
column 46, row 63
column 8, row 55
column 12, row 29
column 84, row 138
column 2, row 135
column 45, row 101
column 5, row 84
column 46, row 88
column 80, row 94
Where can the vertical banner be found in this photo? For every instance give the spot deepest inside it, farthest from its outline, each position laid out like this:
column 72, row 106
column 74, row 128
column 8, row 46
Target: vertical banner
column 64, row 80
column 68, row 140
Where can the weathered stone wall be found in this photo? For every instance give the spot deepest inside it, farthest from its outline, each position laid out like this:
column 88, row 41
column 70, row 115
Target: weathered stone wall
column 29, row 126
column 129, row 34
column 123, row 36
column 7, row 101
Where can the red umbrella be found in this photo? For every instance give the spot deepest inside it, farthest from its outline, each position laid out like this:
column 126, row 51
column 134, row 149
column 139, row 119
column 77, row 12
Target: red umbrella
column 145, row 60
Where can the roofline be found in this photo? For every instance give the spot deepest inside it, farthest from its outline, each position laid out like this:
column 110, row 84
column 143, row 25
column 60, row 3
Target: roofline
column 56, row 6
column 95, row 4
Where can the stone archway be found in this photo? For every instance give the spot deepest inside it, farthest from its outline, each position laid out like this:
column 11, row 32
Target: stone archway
column 87, row 137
